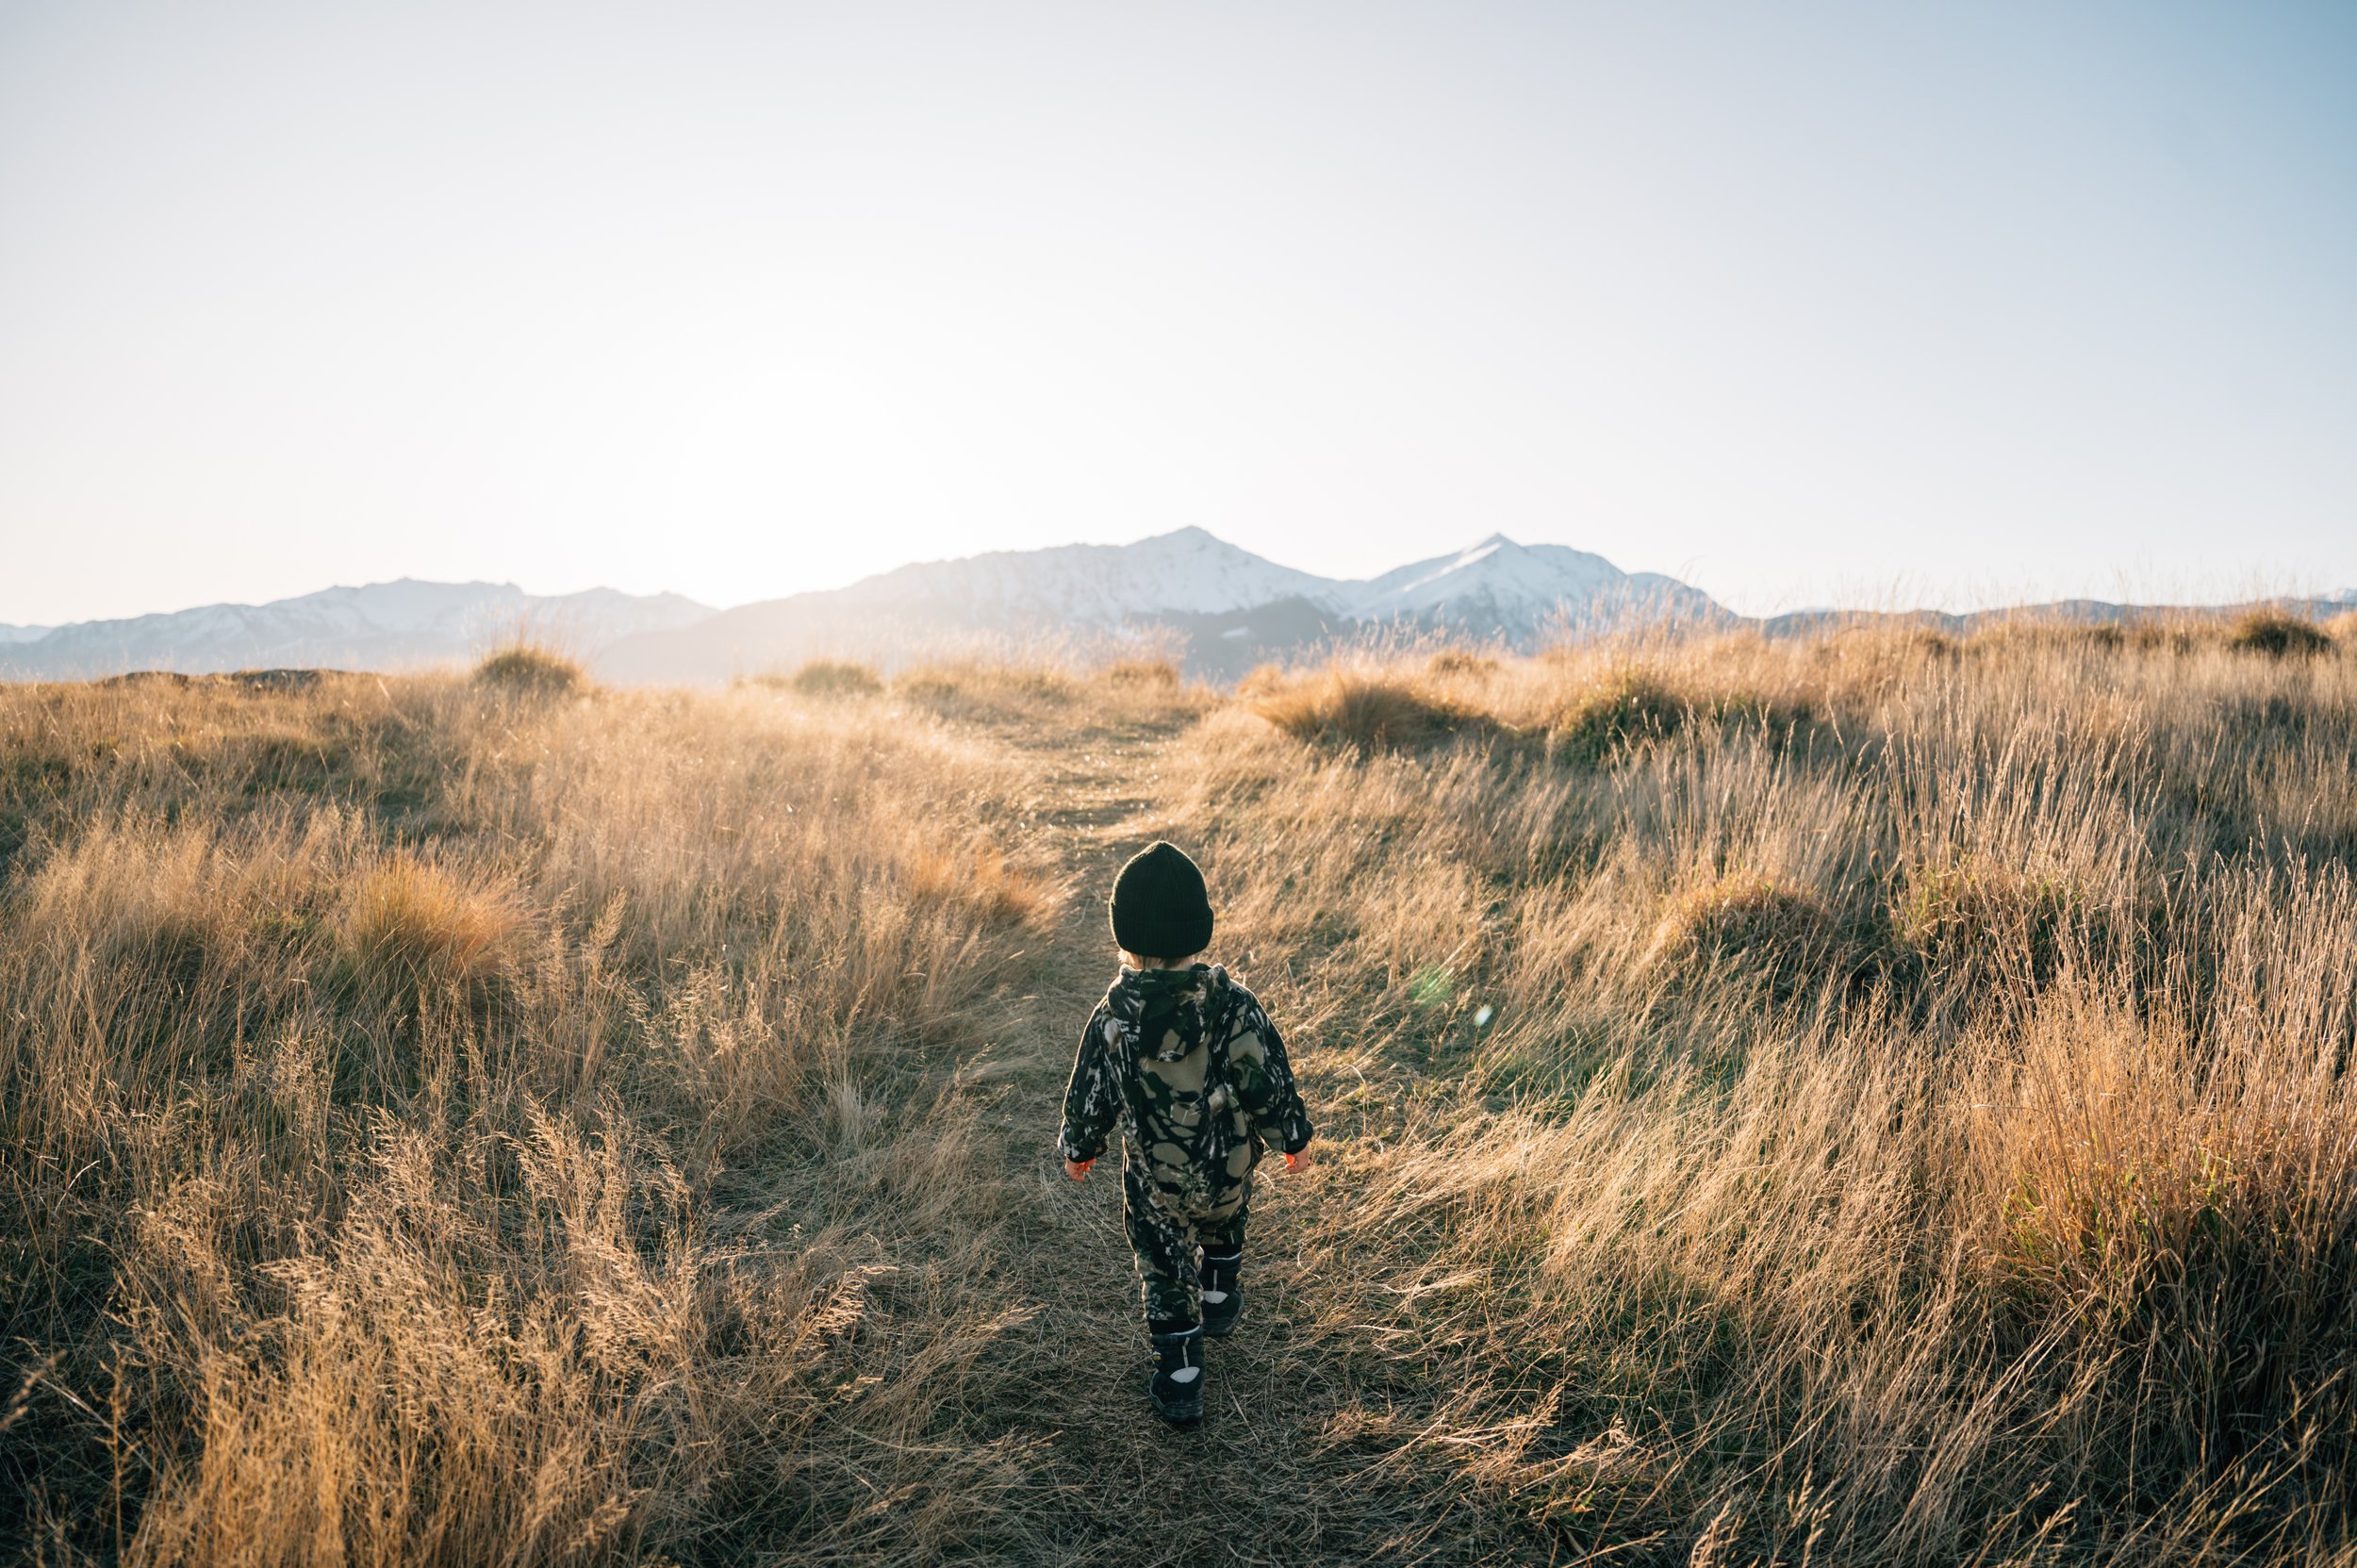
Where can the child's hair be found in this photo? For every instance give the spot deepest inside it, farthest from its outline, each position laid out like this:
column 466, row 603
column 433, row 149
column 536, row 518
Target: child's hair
column 1139, row 961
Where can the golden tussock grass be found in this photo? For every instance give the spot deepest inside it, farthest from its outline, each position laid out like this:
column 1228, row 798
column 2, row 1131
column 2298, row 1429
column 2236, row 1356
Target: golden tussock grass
column 1142, row 672
column 2277, row 635
column 528, row 668
column 1352, row 709
column 410, row 922
column 831, row 677
column 1877, row 1098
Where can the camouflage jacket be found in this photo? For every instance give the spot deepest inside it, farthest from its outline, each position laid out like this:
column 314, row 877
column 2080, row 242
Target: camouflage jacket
column 1189, row 1066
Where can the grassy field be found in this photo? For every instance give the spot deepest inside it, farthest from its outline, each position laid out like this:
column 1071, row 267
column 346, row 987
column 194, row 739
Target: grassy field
column 1878, row 1099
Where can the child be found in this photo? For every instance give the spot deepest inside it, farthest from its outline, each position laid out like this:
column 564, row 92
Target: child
column 1183, row 1059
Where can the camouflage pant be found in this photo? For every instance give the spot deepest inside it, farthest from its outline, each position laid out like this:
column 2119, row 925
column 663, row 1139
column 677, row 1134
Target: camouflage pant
column 1165, row 1246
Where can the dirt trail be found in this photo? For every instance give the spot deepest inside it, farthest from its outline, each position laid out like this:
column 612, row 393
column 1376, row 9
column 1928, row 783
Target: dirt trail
column 1261, row 1480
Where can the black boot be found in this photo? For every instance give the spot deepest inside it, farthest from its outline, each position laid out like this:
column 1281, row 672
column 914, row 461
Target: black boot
column 1223, row 1298
column 1176, row 1387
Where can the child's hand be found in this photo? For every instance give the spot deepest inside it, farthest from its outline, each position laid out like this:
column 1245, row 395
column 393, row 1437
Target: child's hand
column 1296, row 1160
column 1078, row 1169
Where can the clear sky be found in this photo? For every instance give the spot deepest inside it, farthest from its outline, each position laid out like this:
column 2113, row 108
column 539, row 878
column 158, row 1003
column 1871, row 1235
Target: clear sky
column 1950, row 303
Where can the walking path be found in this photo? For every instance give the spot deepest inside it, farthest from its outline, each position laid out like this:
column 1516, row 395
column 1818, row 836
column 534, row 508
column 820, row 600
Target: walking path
column 1267, row 1478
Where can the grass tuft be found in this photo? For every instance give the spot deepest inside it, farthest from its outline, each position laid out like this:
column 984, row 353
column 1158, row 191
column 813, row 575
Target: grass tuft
column 1987, row 931
column 1619, row 712
column 1363, row 712
column 1759, row 930
column 1143, row 672
column 529, row 669
column 834, row 678
column 410, row 925
column 2277, row 635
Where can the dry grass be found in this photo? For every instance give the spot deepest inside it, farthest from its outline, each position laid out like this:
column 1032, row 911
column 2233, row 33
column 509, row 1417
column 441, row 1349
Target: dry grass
column 831, row 678
column 1352, row 709
column 1869, row 1101
column 2277, row 635
column 1782, row 936
column 1143, row 672
column 530, row 668
column 1613, row 712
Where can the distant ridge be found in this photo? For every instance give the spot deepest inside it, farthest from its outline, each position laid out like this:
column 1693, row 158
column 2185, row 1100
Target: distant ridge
column 398, row 625
column 2091, row 612
column 1226, row 607
column 1223, row 609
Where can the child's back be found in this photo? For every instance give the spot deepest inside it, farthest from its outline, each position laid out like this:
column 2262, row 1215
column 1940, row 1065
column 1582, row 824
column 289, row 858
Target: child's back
column 1185, row 1063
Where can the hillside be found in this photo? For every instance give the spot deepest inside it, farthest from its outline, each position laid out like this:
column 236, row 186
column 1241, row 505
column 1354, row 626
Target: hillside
column 1877, row 1098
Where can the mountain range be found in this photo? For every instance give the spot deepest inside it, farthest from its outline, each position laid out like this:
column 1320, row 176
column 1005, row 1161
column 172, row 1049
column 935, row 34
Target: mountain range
column 400, row 625
column 1226, row 608
column 1223, row 609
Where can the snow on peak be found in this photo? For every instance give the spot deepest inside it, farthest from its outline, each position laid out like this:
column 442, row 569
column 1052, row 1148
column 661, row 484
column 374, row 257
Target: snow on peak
column 1494, row 582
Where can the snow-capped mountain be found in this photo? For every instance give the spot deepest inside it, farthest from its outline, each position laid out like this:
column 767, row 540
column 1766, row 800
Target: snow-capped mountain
column 1501, row 589
column 1230, row 608
column 383, row 626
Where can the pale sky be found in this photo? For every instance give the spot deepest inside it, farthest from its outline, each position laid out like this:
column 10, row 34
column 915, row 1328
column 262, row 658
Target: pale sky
column 1952, row 303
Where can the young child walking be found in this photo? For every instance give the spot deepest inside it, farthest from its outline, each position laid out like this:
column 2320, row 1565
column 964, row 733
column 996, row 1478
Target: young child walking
column 1184, row 1061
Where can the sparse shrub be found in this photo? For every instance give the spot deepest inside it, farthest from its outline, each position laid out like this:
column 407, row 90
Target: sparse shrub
column 1367, row 713
column 1619, row 712
column 2342, row 629
column 2277, row 635
column 529, row 669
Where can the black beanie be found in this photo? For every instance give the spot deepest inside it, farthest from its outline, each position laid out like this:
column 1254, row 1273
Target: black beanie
column 1159, row 908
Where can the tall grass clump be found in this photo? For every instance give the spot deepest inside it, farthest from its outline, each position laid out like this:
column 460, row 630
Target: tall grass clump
column 834, row 678
column 530, row 669
column 1143, row 672
column 1362, row 710
column 1614, row 713
column 2278, row 635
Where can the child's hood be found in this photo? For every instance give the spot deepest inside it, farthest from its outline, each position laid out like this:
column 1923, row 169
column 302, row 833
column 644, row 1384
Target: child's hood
column 1162, row 1003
